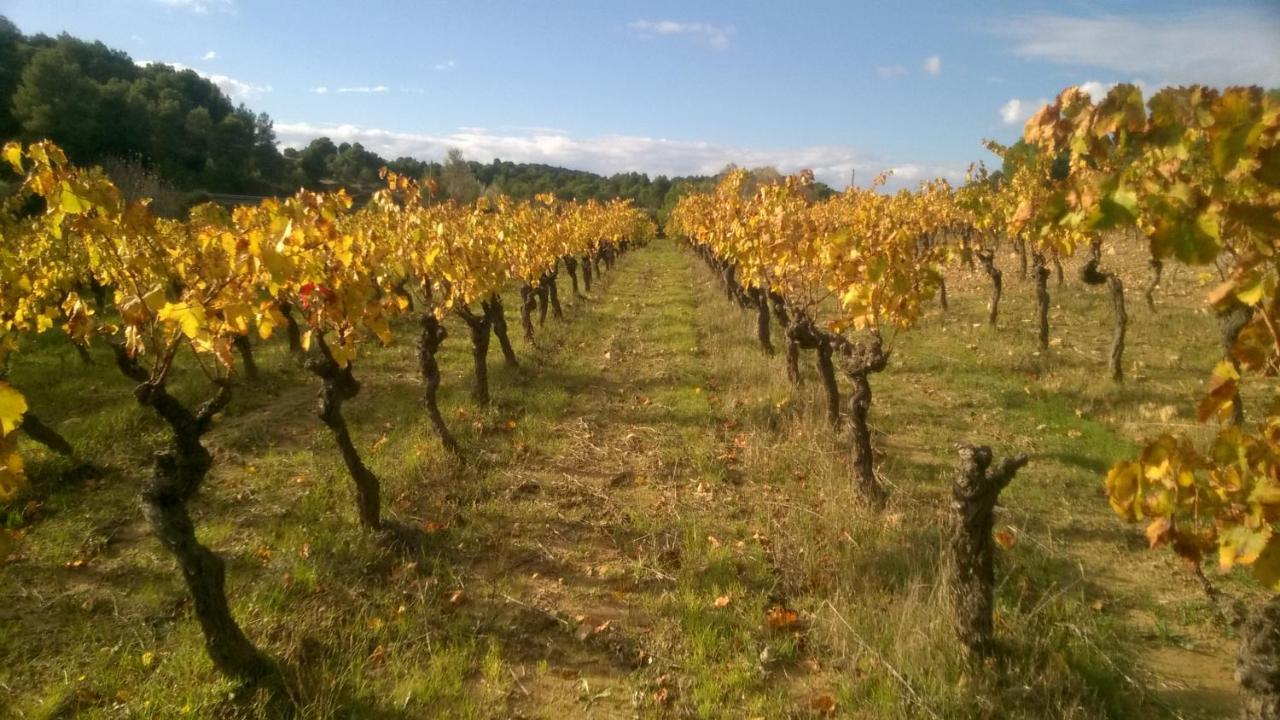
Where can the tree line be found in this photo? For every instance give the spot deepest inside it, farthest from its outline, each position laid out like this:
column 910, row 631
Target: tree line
column 172, row 135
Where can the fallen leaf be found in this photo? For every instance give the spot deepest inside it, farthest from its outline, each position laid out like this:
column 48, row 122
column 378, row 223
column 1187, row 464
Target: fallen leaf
column 823, row 704
column 722, row 601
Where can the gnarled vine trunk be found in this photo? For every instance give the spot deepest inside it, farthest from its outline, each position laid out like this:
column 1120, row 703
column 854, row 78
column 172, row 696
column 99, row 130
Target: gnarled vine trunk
column 245, row 348
column 543, row 296
column 479, row 325
column 429, row 341
column 970, row 566
column 291, row 327
column 553, row 295
column 942, row 292
column 988, row 260
column 1090, row 274
column 1042, row 300
column 528, row 301
column 827, row 371
column 34, row 428
column 498, row 321
column 1157, row 270
column 176, row 477
column 858, row 361
column 1020, row 246
column 761, row 298
column 586, row 272
column 338, row 386
column 571, row 267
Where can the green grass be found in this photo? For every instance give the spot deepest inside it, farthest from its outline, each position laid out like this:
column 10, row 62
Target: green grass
column 645, row 488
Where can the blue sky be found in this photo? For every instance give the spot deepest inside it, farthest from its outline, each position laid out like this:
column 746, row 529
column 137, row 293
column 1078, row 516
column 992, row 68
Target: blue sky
column 676, row 87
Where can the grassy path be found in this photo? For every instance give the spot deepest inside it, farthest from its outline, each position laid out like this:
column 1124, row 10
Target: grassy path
column 650, row 523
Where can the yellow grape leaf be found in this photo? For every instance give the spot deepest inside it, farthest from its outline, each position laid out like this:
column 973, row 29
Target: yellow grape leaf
column 1267, row 567
column 1219, row 400
column 12, row 407
column 723, row 601
column 1122, row 487
column 1005, row 538
column 189, row 317
column 11, row 474
column 1242, row 545
column 13, row 155
column 72, row 204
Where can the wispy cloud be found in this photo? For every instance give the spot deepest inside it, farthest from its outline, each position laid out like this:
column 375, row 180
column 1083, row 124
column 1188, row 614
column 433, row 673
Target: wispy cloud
column 1218, row 47
column 890, row 71
column 932, row 65
column 200, row 7
column 1017, row 111
column 609, row 154
column 714, row 36
column 320, row 90
column 235, row 89
column 211, row 55
column 364, row 89
column 446, row 65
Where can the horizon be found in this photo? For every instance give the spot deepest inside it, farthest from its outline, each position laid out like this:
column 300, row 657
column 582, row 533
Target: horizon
column 675, row 90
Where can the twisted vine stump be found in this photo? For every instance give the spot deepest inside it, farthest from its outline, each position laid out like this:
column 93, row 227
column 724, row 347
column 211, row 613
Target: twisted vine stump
column 1258, row 662
column 858, row 361
column 177, row 475
column 429, row 342
column 1090, row 274
column 726, row 276
column 498, row 321
column 1020, row 246
column 827, row 372
column 586, row 272
column 1042, row 299
column 571, row 267
column 942, row 292
column 291, row 327
column 1157, row 270
column 988, row 260
column 543, row 295
column 338, row 386
column 83, row 353
column 760, row 299
column 528, row 301
column 245, row 348
column 553, row 295
column 1057, row 266
column 479, row 325
column 803, row 335
column 970, row 568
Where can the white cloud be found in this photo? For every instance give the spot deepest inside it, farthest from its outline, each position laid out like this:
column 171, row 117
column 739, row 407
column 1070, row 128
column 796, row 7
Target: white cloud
column 446, row 65
column 364, row 89
column 1220, row 47
column 890, row 71
column 607, row 154
column 1016, row 111
column 235, row 89
column 211, row 55
column 200, row 7
column 714, row 36
column 320, row 90
column 932, row 64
